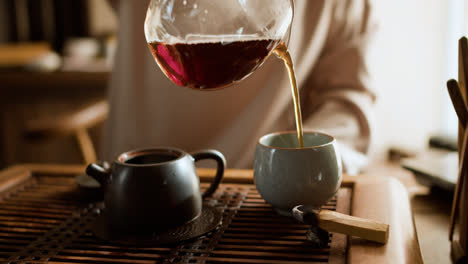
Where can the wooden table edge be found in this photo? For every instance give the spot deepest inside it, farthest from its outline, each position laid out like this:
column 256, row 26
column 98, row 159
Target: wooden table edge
column 379, row 198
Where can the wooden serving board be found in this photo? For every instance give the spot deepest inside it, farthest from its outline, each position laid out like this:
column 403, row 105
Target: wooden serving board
column 45, row 217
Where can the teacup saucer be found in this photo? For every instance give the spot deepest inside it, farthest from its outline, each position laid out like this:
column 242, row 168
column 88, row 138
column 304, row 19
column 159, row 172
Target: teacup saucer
column 209, row 219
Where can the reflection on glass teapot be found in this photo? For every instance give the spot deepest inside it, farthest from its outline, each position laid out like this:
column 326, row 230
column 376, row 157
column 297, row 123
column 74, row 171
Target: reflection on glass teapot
column 206, row 44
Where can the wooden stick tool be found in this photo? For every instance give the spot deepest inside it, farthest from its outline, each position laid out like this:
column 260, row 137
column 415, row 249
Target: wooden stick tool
column 458, row 102
column 344, row 224
column 458, row 91
column 462, row 113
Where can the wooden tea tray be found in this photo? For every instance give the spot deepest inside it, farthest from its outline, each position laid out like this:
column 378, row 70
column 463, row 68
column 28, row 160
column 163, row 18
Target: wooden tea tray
column 45, row 217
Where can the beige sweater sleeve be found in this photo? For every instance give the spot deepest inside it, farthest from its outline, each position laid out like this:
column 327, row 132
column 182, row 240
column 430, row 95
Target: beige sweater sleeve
column 340, row 98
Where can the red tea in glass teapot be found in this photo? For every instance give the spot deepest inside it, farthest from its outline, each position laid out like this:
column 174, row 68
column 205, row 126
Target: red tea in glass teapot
column 211, row 65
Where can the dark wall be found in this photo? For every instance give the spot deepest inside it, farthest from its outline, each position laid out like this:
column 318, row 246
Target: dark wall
column 43, row 20
column 4, row 28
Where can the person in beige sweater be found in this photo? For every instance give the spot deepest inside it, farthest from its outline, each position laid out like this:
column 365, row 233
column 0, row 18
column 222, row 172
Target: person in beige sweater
column 328, row 47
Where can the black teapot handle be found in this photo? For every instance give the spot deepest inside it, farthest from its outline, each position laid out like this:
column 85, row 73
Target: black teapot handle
column 100, row 172
column 221, row 165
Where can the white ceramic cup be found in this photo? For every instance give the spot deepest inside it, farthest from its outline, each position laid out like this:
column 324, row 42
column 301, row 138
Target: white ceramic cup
column 287, row 176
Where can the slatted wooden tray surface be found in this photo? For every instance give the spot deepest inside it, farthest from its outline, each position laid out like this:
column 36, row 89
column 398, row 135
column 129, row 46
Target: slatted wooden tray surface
column 47, row 219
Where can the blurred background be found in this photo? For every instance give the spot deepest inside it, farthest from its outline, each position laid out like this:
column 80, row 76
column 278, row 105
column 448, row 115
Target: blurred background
column 415, row 52
column 55, row 61
column 56, row 57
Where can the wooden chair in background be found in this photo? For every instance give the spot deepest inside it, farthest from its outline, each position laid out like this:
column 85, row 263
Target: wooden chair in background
column 76, row 123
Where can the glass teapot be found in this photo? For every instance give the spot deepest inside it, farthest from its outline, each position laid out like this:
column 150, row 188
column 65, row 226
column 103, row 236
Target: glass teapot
column 210, row 44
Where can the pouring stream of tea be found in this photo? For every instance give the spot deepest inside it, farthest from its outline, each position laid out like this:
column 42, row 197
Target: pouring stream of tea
column 282, row 52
